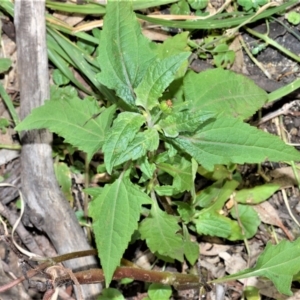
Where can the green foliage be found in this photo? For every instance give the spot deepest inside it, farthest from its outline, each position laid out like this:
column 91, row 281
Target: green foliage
column 173, row 46
column 5, row 64
column 258, row 49
column 210, row 220
column 185, row 121
column 115, row 212
column 109, row 294
column 257, row 194
column 4, row 123
column 180, row 8
column 293, row 17
column 156, row 79
column 166, row 126
column 159, row 291
column 223, row 57
column 198, row 4
column 249, row 5
column 248, row 218
column 78, row 121
column 223, row 20
column 191, row 249
column 222, row 91
column 277, row 262
column 59, row 78
column 125, row 52
column 160, row 232
column 181, row 171
column 63, row 176
column 251, row 293
column 227, row 140
column 119, row 138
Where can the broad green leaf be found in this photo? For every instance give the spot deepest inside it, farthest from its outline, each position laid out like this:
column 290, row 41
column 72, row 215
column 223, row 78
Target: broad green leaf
column 166, row 155
column 198, row 4
column 185, row 211
column 277, row 262
column 157, row 78
column 219, row 172
column 111, row 294
column 73, row 119
column 213, row 224
column 223, row 91
column 251, row 293
column 61, row 93
column 223, row 56
column 4, row 123
column 257, row 194
column 146, row 167
column 166, row 190
column 228, row 140
column 5, row 64
column 63, row 176
column 159, row 291
column 119, row 137
column 160, row 232
column 293, row 17
column 125, row 53
column 210, row 220
column 94, row 192
column 249, row 219
column 147, row 140
column 181, row 171
column 180, row 8
column 173, row 45
column 115, row 214
column 226, row 191
column 191, row 249
column 209, row 195
column 184, row 121
column 59, row 78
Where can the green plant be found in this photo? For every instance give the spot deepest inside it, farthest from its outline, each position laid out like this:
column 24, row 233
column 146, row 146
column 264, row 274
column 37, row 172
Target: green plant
column 4, row 123
column 293, row 17
column 167, row 126
column 223, row 56
column 198, row 4
column 252, row 4
column 182, row 7
column 5, row 64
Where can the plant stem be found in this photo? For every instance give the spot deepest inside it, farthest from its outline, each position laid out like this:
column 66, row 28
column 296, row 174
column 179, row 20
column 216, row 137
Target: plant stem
column 10, row 147
column 184, row 281
column 178, row 280
column 273, row 43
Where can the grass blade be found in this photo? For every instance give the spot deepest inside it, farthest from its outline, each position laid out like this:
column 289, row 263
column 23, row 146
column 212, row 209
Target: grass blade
column 212, row 23
column 9, row 105
column 96, row 8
